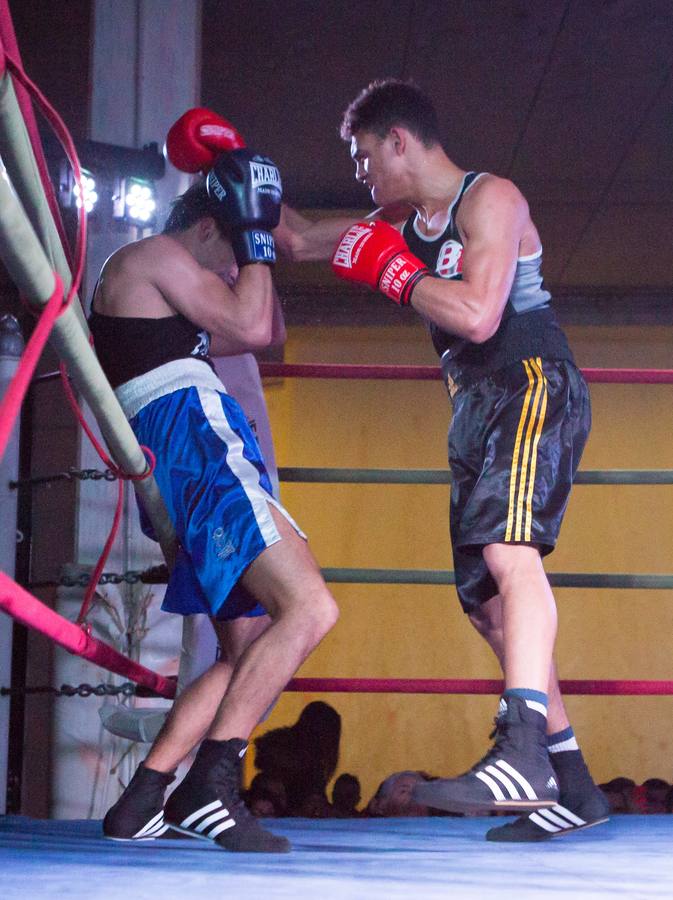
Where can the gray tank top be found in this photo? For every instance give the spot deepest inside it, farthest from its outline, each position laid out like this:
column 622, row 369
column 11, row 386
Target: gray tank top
column 528, row 326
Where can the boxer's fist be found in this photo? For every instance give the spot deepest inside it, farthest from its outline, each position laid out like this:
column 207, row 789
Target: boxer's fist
column 248, row 191
column 376, row 254
column 199, row 136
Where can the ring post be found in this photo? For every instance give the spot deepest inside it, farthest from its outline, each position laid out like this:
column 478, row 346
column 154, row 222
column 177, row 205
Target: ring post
column 11, row 348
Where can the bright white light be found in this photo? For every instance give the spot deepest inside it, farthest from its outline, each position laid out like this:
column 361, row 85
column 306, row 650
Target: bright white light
column 140, row 202
column 90, row 195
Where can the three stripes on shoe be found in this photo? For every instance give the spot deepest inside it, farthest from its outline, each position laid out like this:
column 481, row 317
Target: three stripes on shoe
column 503, row 775
column 152, row 829
column 556, row 819
column 214, row 819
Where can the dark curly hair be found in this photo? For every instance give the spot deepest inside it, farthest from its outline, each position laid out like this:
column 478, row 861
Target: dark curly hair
column 190, row 207
column 385, row 103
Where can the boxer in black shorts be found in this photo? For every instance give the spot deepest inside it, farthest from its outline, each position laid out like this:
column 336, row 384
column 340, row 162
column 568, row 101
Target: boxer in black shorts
column 461, row 248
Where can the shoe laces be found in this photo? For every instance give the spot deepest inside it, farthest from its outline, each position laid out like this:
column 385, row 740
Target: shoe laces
column 497, row 735
column 224, row 776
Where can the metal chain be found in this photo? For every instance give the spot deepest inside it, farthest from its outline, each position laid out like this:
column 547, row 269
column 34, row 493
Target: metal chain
column 128, row 689
column 153, row 575
column 81, row 474
column 93, row 474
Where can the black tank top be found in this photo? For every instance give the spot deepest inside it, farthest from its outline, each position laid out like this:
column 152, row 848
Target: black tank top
column 528, row 326
column 127, row 346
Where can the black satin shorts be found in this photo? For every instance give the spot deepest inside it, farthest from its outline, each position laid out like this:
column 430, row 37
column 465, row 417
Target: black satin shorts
column 515, row 443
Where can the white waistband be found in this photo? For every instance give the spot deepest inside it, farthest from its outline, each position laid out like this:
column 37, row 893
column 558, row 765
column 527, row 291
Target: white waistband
column 172, row 376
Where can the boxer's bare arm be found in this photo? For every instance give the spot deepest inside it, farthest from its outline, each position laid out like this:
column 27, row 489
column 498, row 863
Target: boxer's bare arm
column 158, row 277
column 492, row 221
column 278, row 331
column 227, row 346
column 305, row 240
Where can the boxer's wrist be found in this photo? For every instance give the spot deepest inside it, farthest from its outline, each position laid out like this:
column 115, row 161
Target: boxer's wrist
column 253, row 245
column 400, row 276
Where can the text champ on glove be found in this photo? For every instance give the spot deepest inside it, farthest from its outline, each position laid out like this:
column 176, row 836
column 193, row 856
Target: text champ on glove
column 376, row 254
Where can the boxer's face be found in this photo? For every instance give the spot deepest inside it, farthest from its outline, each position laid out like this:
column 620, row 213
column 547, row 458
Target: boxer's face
column 377, row 166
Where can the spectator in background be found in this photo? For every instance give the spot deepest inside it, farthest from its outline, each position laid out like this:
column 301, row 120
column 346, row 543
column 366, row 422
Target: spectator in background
column 346, row 795
column 651, row 796
column 266, row 797
column 669, row 801
column 393, row 797
column 619, row 792
column 303, row 757
column 315, row 806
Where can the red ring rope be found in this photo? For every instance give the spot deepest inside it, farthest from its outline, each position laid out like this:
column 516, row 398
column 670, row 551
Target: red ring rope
column 432, row 373
column 11, row 402
column 25, row 608
column 469, row 686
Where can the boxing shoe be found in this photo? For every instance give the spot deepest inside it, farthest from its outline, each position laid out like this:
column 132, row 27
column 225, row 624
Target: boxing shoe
column 207, row 804
column 515, row 775
column 569, row 815
column 581, row 805
column 138, row 814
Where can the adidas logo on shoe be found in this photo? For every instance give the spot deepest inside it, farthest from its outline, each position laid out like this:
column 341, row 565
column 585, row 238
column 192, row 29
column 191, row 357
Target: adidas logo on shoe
column 207, row 822
column 506, row 782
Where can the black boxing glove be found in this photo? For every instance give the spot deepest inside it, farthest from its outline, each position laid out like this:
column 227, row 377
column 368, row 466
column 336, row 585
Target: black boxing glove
column 248, row 192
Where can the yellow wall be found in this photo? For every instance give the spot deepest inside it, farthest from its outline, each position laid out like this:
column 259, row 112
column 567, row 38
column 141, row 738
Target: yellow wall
column 418, row 631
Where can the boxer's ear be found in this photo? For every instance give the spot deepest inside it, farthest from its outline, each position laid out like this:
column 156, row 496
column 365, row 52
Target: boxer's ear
column 398, row 138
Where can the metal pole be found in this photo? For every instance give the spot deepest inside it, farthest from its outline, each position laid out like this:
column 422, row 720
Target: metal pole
column 11, row 348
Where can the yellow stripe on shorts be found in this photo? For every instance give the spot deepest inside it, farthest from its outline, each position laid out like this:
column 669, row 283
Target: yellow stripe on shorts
column 537, row 366
column 524, row 456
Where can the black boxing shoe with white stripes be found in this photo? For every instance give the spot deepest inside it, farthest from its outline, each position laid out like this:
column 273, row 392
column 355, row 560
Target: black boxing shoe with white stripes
column 568, row 816
column 515, row 775
column 138, row 815
column 581, row 805
column 207, row 804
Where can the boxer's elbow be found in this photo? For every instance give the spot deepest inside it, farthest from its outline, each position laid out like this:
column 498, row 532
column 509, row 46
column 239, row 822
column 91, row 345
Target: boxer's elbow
column 483, row 319
column 258, row 335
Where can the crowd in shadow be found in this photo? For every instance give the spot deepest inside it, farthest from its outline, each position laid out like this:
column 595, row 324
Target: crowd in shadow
column 296, row 764
column 654, row 796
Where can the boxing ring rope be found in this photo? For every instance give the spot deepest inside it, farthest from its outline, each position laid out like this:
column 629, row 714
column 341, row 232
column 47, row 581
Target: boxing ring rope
column 433, row 373
column 26, row 260
column 444, row 686
column 317, row 475
column 576, row 687
column 28, row 610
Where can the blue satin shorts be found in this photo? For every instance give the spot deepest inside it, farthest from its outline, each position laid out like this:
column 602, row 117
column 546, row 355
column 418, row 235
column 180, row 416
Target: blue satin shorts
column 213, row 480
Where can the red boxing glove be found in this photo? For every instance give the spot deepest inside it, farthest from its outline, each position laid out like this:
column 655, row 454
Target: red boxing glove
column 376, row 254
column 199, row 136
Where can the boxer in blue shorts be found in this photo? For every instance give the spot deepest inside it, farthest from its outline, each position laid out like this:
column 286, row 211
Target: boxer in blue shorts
column 158, row 311
column 461, row 248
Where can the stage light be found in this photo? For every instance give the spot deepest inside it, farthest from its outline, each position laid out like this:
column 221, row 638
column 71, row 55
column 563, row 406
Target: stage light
column 69, row 190
column 135, row 202
column 89, row 196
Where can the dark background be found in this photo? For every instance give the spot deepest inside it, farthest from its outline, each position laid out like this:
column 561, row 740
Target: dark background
column 572, row 99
